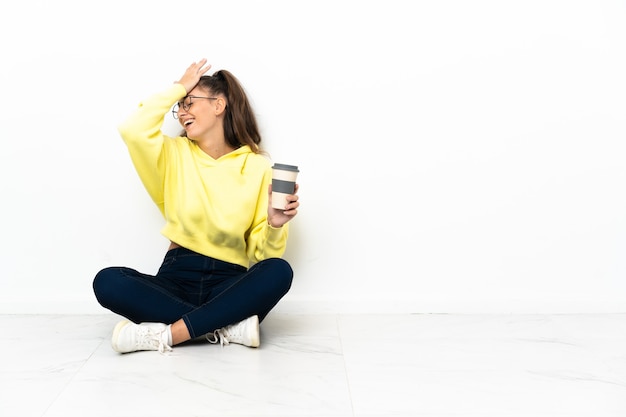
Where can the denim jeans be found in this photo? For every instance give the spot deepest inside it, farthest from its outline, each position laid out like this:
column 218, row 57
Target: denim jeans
column 206, row 293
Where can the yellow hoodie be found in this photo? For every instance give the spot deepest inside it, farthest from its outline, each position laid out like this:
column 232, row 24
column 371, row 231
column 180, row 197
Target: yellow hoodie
column 216, row 207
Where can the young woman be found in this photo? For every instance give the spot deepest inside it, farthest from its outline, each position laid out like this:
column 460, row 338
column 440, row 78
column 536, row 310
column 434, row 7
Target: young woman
column 223, row 271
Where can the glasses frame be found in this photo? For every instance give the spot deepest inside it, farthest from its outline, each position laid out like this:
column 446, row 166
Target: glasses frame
column 186, row 105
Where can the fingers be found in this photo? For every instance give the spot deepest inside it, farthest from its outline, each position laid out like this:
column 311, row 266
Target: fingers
column 193, row 73
column 282, row 216
column 292, row 199
column 199, row 67
column 291, row 208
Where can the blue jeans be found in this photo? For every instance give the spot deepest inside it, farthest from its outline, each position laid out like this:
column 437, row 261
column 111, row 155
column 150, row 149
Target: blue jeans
column 206, row 293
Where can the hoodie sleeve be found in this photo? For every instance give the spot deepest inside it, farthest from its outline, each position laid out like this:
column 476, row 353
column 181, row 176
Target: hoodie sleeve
column 145, row 141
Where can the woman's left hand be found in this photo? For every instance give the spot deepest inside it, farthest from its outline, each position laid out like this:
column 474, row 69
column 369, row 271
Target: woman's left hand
column 277, row 217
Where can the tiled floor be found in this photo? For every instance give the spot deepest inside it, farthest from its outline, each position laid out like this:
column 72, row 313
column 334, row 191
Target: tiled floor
column 324, row 365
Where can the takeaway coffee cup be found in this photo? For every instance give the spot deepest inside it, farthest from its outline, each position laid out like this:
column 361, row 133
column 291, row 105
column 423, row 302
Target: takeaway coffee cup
column 283, row 183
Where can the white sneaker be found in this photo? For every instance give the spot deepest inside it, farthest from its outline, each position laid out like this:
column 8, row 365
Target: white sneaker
column 246, row 333
column 131, row 337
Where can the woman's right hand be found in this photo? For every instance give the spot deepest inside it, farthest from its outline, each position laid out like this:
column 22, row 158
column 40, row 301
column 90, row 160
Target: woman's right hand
column 192, row 75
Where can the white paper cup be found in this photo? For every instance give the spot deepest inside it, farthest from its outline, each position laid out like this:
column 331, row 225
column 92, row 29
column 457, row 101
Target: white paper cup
column 283, row 184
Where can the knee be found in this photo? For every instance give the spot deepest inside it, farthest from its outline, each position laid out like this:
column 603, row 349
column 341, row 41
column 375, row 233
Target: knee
column 104, row 284
column 282, row 273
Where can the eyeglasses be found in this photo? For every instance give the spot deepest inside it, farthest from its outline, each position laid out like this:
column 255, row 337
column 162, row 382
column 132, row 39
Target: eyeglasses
column 186, row 103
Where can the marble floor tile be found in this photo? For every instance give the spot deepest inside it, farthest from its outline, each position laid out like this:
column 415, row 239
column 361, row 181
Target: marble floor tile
column 486, row 365
column 324, row 365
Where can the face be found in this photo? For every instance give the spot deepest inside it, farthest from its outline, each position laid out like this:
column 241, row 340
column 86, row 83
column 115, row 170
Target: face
column 197, row 113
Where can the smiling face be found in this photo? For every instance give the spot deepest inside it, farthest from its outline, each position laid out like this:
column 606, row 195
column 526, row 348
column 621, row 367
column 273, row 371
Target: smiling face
column 199, row 113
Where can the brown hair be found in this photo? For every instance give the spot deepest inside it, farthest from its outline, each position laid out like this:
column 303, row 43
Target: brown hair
column 240, row 125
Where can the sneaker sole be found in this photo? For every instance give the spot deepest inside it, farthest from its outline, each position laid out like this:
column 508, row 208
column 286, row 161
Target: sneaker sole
column 116, row 334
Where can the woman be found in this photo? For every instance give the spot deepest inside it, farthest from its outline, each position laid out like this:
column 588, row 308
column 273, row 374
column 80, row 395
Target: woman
column 223, row 271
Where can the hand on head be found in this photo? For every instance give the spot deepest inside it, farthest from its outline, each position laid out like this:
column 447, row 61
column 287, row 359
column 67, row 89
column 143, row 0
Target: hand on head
column 192, row 75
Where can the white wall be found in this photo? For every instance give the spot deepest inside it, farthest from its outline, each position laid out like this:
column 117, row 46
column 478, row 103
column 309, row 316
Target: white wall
column 456, row 156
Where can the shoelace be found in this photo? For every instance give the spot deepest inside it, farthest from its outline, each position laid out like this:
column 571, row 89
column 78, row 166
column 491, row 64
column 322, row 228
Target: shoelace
column 147, row 337
column 218, row 335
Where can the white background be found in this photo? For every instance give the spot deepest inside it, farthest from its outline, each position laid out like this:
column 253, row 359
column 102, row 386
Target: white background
column 455, row 156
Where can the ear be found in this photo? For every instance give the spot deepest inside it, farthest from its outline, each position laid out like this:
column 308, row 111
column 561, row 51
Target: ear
column 220, row 106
